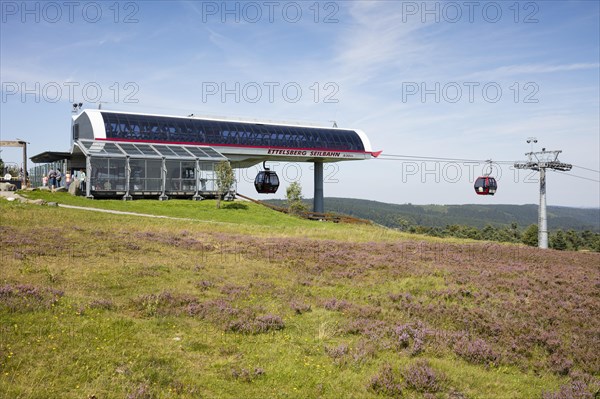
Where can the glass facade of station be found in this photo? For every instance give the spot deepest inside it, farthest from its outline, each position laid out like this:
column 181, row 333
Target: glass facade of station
column 200, row 131
column 148, row 170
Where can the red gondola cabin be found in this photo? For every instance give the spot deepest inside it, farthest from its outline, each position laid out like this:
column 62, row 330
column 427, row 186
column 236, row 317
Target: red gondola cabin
column 485, row 185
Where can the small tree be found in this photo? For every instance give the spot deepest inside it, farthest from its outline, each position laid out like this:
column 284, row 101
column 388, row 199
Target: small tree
column 402, row 224
column 574, row 241
column 293, row 194
column 225, row 180
column 490, row 233
column 530, row 236
column 557, row 241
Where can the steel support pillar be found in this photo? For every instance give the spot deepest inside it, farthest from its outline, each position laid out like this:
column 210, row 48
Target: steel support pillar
column 197, row 196
column 318, row 202
column 88, row 177
column 542, row 219
column 163, row 181
column 127, row 196
column 24, row 177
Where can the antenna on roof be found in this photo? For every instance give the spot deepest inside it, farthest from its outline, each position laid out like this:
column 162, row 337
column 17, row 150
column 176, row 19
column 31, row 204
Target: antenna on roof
column 334, row 123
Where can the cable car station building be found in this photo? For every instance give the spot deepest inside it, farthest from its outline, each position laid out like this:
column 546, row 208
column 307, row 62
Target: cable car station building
column 130, row 155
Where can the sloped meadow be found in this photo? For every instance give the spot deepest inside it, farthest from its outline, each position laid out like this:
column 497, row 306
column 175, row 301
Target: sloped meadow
column 96, row 305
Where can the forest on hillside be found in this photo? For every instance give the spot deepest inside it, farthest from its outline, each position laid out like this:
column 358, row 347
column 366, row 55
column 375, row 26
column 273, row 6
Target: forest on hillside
column 569, row 228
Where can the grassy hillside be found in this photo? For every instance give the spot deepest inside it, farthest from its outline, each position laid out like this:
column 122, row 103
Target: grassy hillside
column 395, row 215
column 246, row 302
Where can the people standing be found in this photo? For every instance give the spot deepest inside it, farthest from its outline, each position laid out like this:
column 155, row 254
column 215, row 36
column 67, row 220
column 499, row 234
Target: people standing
column 52, row 179
column 58, row 177
column 82, row 180
column 67, row 179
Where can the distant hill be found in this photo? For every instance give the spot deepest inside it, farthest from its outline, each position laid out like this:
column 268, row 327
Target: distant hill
column 398, row 215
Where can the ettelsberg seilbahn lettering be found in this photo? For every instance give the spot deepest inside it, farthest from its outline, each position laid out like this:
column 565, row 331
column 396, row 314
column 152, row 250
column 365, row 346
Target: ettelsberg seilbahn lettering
column 301, row 153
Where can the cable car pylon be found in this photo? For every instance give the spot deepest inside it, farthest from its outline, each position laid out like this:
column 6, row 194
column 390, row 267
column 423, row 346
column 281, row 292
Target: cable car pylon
column 543, row 160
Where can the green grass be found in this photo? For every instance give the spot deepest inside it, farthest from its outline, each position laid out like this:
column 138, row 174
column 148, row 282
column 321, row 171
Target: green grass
column 75, row 350
column 244, row 216
column 231, row 212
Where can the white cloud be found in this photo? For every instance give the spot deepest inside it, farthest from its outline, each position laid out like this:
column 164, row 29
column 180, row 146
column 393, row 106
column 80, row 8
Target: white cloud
column 507, row 71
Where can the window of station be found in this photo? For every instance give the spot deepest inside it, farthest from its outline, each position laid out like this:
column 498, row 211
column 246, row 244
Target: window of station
column 181, row 176
column 146, row 174
column 227, row 132
column 108, row 174
column 181, row 152
column 197, row 152
column 166, row 151
column 212, row 153
column 130, row 149
column 147, row 150
column 105, row 149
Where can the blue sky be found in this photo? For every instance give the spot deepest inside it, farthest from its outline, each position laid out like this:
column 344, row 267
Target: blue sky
column 460, row 80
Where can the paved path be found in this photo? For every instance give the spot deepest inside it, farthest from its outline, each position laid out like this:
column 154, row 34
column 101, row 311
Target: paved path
column 147, row 215
column 10, row 194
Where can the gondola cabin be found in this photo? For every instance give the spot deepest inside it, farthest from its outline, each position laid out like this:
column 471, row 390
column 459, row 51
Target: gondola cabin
column 485, row 185
column 266, row 182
